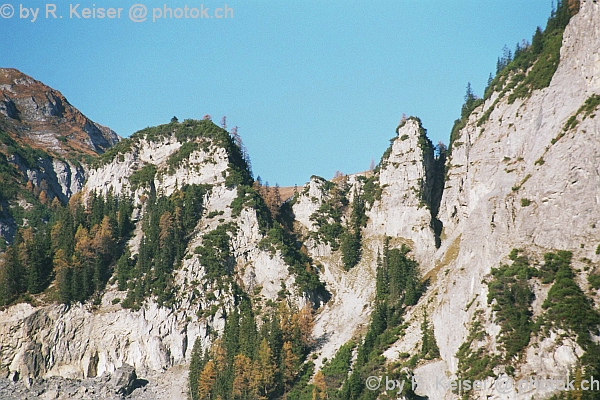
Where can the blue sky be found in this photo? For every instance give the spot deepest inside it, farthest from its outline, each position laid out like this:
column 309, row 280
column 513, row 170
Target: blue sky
column 314, row 86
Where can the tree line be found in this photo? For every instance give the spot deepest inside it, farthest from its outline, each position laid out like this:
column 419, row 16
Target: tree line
column 250, row 360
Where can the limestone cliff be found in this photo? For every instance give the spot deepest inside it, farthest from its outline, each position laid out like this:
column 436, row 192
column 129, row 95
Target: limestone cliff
column 85, row 341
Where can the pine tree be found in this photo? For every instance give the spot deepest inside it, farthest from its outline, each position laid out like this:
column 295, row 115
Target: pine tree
column 196, row 367
column 103, row 245
column 429, row 348
column 83, row 274
column 537, row 43
column 10, row 276
column 63, row 276
column 124, row 269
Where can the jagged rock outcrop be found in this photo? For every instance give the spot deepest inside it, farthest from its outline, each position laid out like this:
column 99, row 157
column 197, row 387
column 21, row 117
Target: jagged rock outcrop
column 511, row 184
column 406, row 178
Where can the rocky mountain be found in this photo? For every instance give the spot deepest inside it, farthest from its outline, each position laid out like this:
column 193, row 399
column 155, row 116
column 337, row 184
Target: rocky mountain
column 41, row 117
column 44, row 144
column 476, row 263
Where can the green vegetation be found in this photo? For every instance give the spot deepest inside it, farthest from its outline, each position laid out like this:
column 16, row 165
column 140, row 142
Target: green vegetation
column 193, row 134
column 518, row 187
column 371, row 190
column 215, row 253
column 350, row 243
column 471, row 103
column 511, row 296
column 328, row 218
column 176, row 159
column 588, row 107
column 336, row 370
column 540, row 161
column 429, row 347
column 248, row 197
column 71, row 244
column 144, row 177
column 525, row 202
column 397, row 286
column 250, row 362
column 298, row 261
column 594, row 281
column 475, row 364
column 24, row 153
column 531, row 68
column 167, row 225
column 567, row 307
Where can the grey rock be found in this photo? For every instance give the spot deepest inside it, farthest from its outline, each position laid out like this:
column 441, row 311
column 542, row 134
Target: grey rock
column 123, row 379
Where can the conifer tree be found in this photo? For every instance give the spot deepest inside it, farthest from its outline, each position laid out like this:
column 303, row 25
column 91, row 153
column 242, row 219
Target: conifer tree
column 289, row 365
column 305, row 324
column 320, row 388
column 243, row 385
column 206, row 380
column 196, row 367
column 429, row 348
column 63, row 276
column 10, row 276
column 264, row 369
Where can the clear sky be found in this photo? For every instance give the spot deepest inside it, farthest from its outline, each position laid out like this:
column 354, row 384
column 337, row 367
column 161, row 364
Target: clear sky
column 314, row 86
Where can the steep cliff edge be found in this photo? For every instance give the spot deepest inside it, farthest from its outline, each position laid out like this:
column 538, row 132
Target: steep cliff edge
column 523, row 174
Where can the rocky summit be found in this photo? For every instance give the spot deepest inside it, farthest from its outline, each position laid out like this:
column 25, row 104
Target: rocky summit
column 157, row 267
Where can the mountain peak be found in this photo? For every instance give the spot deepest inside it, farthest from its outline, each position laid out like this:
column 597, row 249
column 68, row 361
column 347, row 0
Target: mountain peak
column 41, row 117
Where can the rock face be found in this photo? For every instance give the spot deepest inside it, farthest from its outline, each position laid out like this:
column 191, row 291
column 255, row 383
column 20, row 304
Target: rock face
column 513, row 157
column 41, row 117
column 84, row 342
column 44, row 139
column 522, row 178
column 408, row 181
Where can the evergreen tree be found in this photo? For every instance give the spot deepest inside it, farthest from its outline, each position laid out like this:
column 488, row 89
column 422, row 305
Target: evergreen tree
column 124, row 269
column 11, row 273
column 429, row 348
column 196, row 367
column 63, row 276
